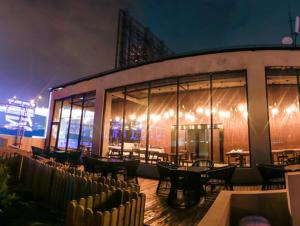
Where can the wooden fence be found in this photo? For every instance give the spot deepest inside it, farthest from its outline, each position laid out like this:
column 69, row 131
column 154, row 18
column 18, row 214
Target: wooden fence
column 58, row 186
column 106, row 201
column 109, row 208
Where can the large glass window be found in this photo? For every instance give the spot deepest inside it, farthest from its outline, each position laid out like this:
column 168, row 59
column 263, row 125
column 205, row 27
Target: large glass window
column 230, row 119
column 284, row 116
column 87, row 123
column 64, row 123
column 113, row 122
column 162, row 118
column 72, row 123
column 55, row 123
column 194, row 117
column 186, row 118
column 75, row 122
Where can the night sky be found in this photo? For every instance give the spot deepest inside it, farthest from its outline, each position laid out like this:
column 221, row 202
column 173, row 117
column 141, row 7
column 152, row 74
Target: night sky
column 46, row 43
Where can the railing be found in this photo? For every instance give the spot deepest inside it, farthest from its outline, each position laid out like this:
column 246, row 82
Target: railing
column 110, row 208
column 58, row 186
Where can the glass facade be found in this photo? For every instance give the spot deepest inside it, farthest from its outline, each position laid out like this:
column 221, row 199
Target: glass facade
column 190, row 117
column 284, row 116
column 72, row 123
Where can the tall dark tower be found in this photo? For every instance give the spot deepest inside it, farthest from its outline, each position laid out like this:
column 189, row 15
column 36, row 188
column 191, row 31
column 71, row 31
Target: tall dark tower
column 137, row 44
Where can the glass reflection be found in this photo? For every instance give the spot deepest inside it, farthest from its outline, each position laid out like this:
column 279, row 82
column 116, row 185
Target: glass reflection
column 284, row 117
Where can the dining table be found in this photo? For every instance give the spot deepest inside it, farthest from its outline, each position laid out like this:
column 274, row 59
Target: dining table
column 187, row 186
column 110, row 166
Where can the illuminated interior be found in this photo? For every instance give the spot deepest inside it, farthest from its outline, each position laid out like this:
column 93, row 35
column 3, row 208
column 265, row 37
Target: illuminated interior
column 284, row 116
column 205, row 115
column 72, row 124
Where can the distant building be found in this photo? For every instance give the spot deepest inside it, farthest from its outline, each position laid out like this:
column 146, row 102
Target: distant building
column 136, row 44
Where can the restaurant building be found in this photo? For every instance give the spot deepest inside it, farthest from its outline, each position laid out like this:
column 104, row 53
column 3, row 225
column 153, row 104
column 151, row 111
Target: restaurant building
column 214, row 104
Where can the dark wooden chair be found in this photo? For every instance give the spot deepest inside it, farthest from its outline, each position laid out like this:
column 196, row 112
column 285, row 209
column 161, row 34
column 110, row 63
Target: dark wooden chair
column 39, row 152
column 272, row 175
column 74, row 158
column 131, row 167
column 61, row 156
column 287, row 157
column 239, row 159
column 153, row 157
column 91, row 164
column 221, row 177
column 203, row 163
column 164, row 182
column 186, row 188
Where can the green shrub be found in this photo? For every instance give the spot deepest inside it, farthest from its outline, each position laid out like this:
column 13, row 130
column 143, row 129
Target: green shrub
column 6, row 197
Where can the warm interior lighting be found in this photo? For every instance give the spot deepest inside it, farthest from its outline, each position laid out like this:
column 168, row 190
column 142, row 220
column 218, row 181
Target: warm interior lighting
column 275, row 111
column 291, row 109
column 241, row 107
column 207, row 112
column 132, row 117
column 199, row 110
column 117, row 119
column 171, row 112
column 166, row 115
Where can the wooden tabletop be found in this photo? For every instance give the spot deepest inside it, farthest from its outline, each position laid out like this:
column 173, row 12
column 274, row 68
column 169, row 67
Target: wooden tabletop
column 292, row 168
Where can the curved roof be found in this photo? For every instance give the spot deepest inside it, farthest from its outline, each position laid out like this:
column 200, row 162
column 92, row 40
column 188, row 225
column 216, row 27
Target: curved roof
column 182, row 55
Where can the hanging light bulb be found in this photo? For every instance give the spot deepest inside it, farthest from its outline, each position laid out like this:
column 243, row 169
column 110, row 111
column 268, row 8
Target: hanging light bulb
column 227, row 114
column 207, row 112
column 171, row 112
column 166, row 115
column 241, row 108
column 199, row 110
column 132, row 117
column 274, row 111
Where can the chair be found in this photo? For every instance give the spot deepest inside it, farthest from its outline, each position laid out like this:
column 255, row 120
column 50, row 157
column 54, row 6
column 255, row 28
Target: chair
column 74, row 158
column 203, row 163
column 287, row 157
column 186, row 158
column 162, row 157
column 91, row 164
column 186, row 188
column 239, row 159
column 40, row 152
column 164, row 169
column 221, row 177
column 272, row 175
column 131, row 167
column 61, row 157
column 114, row 153
column 152, row 157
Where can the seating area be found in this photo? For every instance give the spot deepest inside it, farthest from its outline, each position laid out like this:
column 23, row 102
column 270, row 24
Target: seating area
column 79, row 183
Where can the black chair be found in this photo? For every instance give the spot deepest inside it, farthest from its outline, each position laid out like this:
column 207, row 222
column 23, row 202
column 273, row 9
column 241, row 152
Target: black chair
column 203, row 163
column 221, row 177
column 239, row 159
column 91, row 164
column 187, row 159
column 287, row 157
column 39, row 152
column 164, row 169
column 74, row 158
column 272, row 175
column 131, row 167
column 61, row 156
column 153, row 157
column 186, row 188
